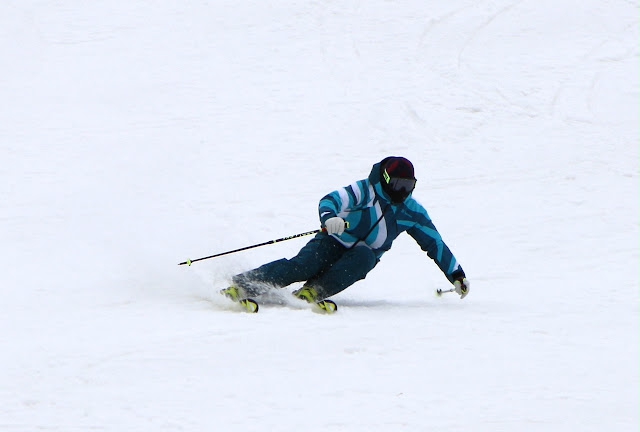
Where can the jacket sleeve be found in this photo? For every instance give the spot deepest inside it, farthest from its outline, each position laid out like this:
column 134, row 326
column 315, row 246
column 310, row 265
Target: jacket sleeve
column 346, row 199
column 427, row 236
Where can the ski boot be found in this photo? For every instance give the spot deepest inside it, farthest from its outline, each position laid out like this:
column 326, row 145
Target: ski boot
column 310, row 295
column 237, row 295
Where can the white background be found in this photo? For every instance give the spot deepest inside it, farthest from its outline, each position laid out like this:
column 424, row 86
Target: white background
column 136, row 134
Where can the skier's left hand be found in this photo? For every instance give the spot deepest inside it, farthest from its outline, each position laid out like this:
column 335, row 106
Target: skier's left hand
column 461, row 285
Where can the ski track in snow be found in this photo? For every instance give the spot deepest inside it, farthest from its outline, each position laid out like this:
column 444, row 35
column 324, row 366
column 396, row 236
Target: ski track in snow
column 133, row 138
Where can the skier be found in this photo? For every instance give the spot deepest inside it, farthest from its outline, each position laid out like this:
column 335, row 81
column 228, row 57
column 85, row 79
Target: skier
column 360, row 222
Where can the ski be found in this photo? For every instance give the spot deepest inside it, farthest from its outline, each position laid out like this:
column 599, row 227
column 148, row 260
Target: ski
column 326, row 306
column 310, row 295
column 250, row 305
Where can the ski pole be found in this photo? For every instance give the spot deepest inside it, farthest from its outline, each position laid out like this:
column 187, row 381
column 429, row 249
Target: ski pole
column 439, row 291
column 190, row 261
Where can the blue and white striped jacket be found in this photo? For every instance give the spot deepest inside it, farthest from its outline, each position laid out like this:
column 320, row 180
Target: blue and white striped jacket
column 363, row 203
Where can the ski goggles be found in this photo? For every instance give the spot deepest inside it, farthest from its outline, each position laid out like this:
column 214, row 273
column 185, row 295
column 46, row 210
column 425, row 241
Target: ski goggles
column 398, row 184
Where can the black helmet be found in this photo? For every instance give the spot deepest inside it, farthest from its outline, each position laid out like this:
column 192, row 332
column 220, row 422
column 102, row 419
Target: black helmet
column 397, row 178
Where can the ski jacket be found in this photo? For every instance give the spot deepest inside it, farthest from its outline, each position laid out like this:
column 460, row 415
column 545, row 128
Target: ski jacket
column 369, row 212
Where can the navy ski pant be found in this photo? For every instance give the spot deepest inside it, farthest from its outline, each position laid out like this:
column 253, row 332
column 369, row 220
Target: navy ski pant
column 323, row 263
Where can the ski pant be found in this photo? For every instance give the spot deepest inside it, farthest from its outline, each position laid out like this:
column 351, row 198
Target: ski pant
column 324, row 263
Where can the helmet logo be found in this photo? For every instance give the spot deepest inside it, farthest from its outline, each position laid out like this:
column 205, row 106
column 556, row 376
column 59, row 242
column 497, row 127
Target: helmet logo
column 386, row 176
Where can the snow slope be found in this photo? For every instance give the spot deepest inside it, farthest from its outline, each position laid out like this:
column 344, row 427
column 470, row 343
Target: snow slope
column 137, row 134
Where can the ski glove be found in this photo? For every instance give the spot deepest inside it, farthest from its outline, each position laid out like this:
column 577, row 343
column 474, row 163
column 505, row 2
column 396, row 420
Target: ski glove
column 461, row 285
column 334, row 225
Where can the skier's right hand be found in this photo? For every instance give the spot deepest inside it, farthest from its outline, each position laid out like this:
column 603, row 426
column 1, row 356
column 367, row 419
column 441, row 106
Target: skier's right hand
column 334, row 225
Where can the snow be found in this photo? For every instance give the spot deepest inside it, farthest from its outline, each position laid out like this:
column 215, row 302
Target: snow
column 135, row 135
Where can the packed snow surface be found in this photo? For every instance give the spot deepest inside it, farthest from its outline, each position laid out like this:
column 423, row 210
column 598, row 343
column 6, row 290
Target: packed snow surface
column 135, row 135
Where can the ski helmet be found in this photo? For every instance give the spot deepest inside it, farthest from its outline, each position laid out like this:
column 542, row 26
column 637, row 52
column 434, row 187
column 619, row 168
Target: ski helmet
column 397, row 178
